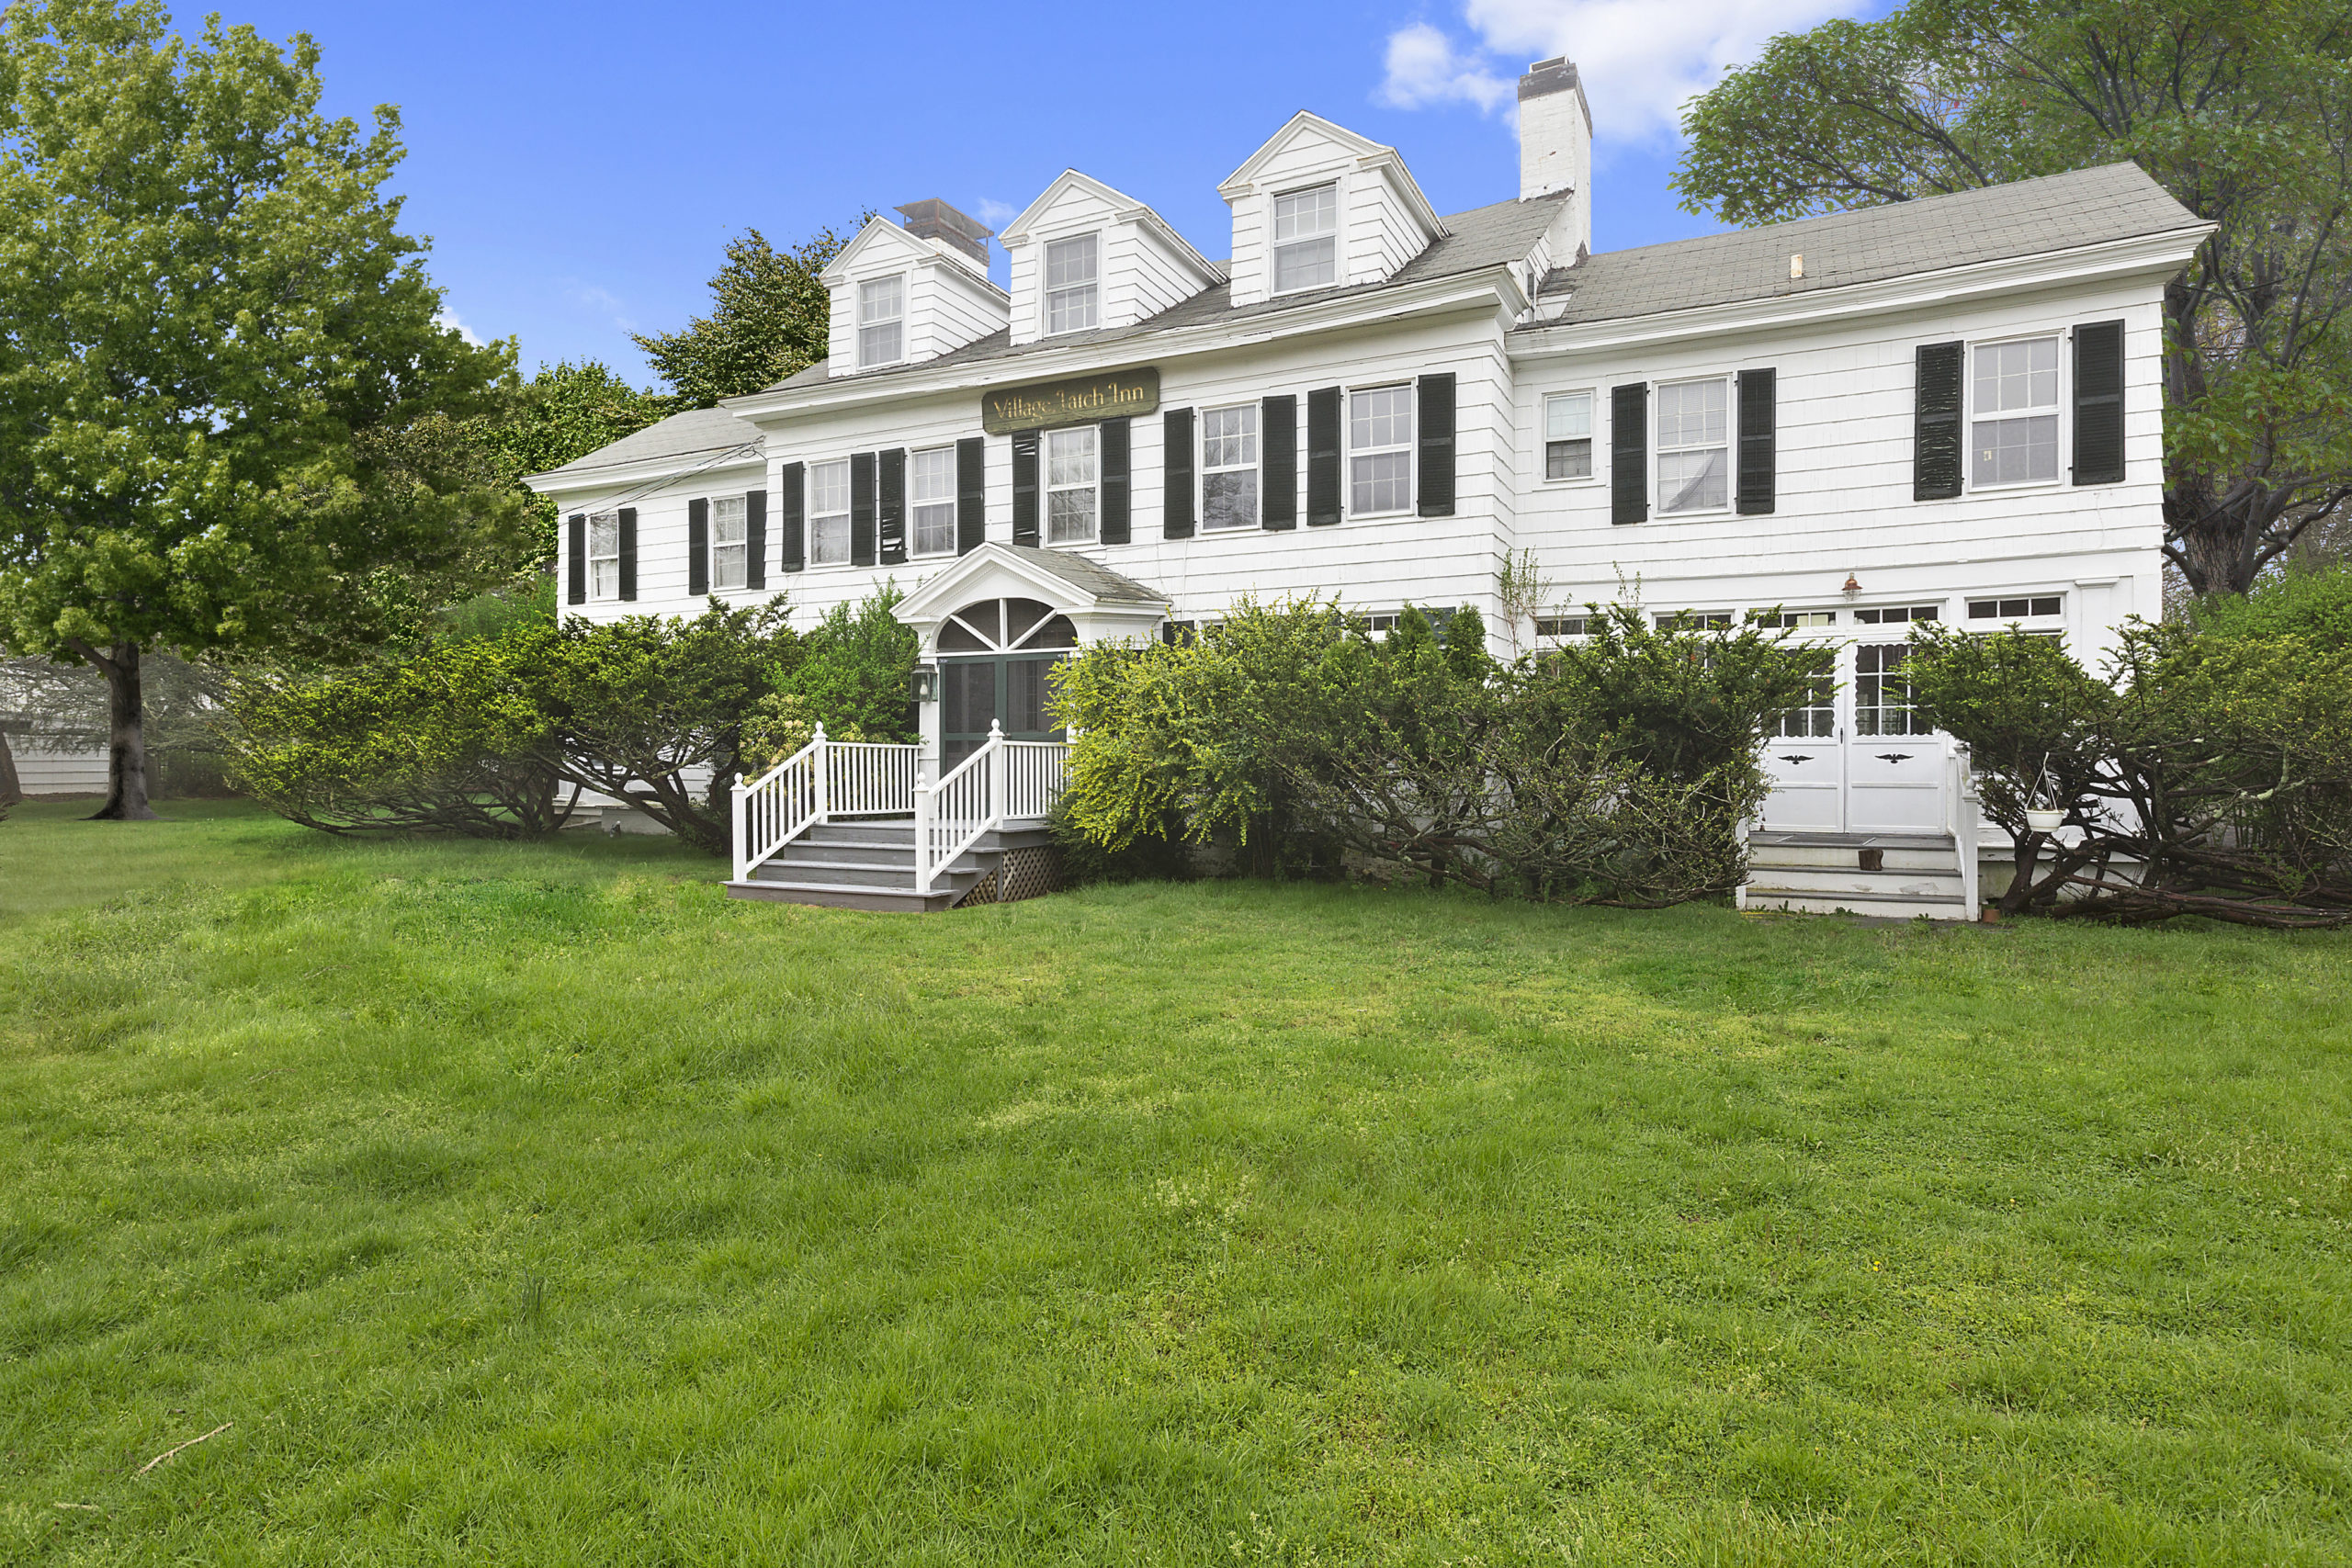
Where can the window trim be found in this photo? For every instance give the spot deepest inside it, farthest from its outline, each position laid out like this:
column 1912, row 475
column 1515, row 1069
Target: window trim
column 849, row 548
column 916, row 504
column 614, row 518
column 743, row 544
column 1047, row 488
column 1275, row 248
column 1201, row 469
column 1658, row 450
column 1591, row 475
column 1045, row 291
column 859, row 325
column 1411, row 447
column 2061, row 337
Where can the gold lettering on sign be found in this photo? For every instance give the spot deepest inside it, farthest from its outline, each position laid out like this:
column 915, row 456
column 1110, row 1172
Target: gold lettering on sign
column 1081, row 400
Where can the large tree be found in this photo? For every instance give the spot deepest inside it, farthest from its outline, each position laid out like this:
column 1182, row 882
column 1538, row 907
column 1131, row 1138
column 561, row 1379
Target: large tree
column 217, row 350
column 2241, row 108
column 770, row 316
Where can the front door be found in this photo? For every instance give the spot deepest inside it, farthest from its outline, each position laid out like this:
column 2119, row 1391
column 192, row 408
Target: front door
column 1857, row 759
column 994, row 657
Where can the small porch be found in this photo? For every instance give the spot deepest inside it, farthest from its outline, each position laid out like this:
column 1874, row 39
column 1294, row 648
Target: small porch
column 960, row 816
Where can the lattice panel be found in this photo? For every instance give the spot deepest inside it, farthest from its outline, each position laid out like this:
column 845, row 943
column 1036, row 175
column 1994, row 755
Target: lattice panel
column 1029, row 873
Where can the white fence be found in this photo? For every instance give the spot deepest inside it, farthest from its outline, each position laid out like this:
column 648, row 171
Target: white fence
column 1004, row 780
column 823, row 780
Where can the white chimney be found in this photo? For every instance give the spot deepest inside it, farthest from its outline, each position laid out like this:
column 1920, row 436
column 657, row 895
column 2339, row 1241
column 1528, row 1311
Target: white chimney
column 1556, row 152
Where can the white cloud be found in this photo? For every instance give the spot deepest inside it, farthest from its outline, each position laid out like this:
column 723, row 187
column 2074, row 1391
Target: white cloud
column 1639, row 63
column 1423, row 69
column 603, row 301
column 448, row 321
column 995, row 214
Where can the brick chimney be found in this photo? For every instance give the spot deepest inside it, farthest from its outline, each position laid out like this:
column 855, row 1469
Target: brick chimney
column 1556, row 152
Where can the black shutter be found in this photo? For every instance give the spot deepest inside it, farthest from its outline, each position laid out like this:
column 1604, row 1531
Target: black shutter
column 2099, row 403
column 755, row 538
column 1322, row 456
column 1117, row 465
column 1435, row 485
column 861, row 509
column 697, row 549
column 1025, row 488
column 1278, row 460
column 891, row 510
column 1629, row 452
column 1757, row 458
column 792, row 516
column 1936, row 443
column 1176, row 468
column 576, row 536
column 971, row 494
column 628, row 552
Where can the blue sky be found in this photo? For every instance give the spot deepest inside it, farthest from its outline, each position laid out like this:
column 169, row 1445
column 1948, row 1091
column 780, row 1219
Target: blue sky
column 578, row 168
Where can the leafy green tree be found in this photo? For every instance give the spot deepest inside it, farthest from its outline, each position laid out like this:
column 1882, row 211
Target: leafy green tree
column 855, row 668
column 561, row 414
column 212, row 336
column 2235, row 106
column 770, row 317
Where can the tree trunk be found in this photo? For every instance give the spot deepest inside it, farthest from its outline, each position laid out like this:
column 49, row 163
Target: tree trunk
column 12, row 788
column 126, row 735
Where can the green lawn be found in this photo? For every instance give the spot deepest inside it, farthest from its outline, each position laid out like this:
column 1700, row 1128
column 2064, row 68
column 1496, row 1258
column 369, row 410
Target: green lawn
column 540, row 1205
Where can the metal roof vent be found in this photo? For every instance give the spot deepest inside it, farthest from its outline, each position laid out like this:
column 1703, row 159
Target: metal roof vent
column 934, row 220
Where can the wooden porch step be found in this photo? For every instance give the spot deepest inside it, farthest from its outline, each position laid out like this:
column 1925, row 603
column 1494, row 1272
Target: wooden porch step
column 835, row 897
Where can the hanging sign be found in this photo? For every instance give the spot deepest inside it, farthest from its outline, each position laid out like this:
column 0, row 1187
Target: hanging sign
column 1081, row 400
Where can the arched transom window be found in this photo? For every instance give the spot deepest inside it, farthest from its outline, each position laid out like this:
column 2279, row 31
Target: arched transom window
column 1007, row 625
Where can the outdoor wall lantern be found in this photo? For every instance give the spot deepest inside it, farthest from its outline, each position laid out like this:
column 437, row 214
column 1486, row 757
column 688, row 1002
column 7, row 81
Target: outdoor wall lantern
column 922, row 683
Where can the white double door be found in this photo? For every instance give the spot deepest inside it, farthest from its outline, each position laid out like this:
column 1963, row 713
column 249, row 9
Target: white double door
column 1857, row 759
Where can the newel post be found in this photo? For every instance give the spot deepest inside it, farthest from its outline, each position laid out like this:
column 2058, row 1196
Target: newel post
column 924, row 809
column 820, row 796
column 741, row 839
column 999, row 757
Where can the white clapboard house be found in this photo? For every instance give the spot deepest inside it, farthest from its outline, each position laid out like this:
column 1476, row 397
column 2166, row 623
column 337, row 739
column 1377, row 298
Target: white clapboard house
column 1943, row 409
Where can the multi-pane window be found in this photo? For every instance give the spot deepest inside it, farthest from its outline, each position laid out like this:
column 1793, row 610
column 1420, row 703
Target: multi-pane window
column 1567, row 435
column 1883, row 704
column 1563, row 626
column 1694, row 445
column 1070, row 284
column 1230, row 468
column 881, row 309
column 603, row 555
column 829, row 513
column 729, row 542
column 1070, row 486
column 1693, row 620
column 2014, row 412
column 1380, row 447
column 1306, row 239
column 1799, row 618
column 1896, row 615
column 1818, row 716
column 2022, row 609
column 934, row 502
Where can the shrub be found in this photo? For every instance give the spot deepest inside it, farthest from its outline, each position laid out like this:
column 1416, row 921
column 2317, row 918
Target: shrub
column 851, row 672
column 1619, row 775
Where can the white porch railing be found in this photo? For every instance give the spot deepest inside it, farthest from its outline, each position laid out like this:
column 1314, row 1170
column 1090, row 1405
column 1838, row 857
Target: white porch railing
column 1004, row 780
column 1966, row 816
column 823, row 780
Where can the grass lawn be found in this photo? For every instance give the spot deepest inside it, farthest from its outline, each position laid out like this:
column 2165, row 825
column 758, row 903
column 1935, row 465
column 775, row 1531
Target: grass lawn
column 539, row 1205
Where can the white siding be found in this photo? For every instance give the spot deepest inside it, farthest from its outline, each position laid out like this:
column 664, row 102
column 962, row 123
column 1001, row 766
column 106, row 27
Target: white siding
column 946, row 302
column 1380, row 230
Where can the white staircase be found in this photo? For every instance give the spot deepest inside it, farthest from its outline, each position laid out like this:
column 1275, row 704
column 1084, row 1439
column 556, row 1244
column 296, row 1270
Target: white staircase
column 869, row 863
column 1902, row 875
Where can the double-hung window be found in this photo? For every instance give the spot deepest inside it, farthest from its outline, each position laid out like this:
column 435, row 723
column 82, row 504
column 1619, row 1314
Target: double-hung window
column 728, row 541
column 934, row 502
column 1306, row 239
column 1380, row 450
column 603, row 555
column 1567, row 435
column 1230, row 468
column 881, row 320
column 2013, row 409
column 1070, row 486
column 1071, row 284
column 1694, row 445
column 829, row 513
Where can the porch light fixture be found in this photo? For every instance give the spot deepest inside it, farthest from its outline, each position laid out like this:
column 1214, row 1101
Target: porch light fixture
column 1852, row 585
column 922, row 683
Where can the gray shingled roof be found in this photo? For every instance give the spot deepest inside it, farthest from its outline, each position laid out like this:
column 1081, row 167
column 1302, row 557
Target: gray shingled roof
column 692, row 433
column 2056, row 212
column 1480, row 238
column 1088, row 577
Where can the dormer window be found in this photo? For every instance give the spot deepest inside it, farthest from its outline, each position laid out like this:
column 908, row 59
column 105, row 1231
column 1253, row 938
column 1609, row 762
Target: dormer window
column 1070, row 285
column 1306, row 239
column 881, row 311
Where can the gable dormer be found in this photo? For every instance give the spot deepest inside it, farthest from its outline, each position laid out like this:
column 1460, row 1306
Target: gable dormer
column 899, row 299
column 1319, row 206
column 1085, row 257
